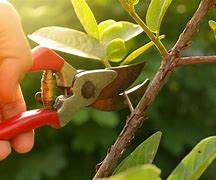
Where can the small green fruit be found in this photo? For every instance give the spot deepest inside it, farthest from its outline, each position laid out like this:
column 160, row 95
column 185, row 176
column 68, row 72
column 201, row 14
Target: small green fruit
column 116, row 50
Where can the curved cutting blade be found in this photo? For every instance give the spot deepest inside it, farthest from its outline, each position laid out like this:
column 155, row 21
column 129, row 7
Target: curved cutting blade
column 126, row 76
column 119, row 102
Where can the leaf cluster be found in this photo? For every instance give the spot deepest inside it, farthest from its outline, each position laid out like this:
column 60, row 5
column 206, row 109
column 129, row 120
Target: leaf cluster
column 139, row 166
column 104, row 41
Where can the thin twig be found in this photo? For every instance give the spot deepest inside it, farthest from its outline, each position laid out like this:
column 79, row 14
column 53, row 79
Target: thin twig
column 172, row 58
column 168, row 64
column 130, row 105
column 196, row 60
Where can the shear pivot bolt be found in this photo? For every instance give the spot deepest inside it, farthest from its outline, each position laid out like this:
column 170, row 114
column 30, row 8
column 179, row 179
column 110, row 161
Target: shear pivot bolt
column 88, row 90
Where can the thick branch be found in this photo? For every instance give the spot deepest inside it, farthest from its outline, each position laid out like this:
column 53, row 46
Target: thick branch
column 167, row 66
column 196, row 60
column 193, row 25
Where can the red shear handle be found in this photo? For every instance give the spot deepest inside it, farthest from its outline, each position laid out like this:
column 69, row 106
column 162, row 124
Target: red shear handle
column 27, row 121
column 46, row 59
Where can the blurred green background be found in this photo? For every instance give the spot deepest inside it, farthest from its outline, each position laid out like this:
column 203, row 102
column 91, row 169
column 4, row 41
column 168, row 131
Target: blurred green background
column 185, row 109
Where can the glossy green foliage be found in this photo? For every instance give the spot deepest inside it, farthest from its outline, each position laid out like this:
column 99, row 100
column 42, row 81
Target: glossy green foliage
column 143, row 154
column 197, row 161
column 212, row 25
column 109, row 36
column 86, row 17
column 116, row 50
column 148, row 171
column 155, row 14
column 139, row 51
column 122, row 29
column 69, row 41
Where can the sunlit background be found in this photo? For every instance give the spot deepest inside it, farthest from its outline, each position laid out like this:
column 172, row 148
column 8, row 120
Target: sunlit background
column 185, row 110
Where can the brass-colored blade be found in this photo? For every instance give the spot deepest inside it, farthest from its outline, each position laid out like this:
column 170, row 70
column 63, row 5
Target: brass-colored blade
column 126, row 76
column 119, row 102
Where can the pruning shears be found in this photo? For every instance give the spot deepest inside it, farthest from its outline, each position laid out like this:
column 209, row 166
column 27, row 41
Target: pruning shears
column 100, row 89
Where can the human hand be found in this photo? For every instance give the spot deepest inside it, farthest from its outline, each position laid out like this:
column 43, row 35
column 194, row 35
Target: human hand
column 15, row 60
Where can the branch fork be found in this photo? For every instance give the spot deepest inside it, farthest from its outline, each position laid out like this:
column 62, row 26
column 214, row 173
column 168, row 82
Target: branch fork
column 170, row 61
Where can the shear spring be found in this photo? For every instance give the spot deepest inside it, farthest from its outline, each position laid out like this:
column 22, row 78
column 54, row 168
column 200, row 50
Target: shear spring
column 48, row 89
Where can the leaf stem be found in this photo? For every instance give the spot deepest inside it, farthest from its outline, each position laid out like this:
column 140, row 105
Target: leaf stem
column 139, row 21
column 139, row 51
column 106, row 63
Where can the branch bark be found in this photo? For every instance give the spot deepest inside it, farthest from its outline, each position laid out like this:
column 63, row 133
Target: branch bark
column 196, row 60
column 170, row 61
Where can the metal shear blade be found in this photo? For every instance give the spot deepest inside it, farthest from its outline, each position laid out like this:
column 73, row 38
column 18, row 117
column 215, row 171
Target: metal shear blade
column 118, row 102
column 86, row 89
column 126, row 75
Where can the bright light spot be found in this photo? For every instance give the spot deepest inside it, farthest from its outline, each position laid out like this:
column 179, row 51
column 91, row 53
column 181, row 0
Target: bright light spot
column 181, row 8
column 36, row 12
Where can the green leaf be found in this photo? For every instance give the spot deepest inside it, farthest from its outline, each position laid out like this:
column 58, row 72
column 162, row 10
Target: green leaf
column 116, row 50
column 104, row 24
column 122, row 30
column 86, row 17
column 212, row 25
column 155, row 14
column 148, row 172
column 143, row 154
column 197, row 161
column 139, row 51
column 70, row 41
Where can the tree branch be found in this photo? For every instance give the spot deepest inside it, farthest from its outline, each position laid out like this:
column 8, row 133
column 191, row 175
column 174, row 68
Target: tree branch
column 196, row 60
column 193, row 25
column 168, row 64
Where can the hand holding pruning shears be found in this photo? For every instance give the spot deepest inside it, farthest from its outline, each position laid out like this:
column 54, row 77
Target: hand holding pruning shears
column 100, row 89
column 15, row 60
column 103, row 89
